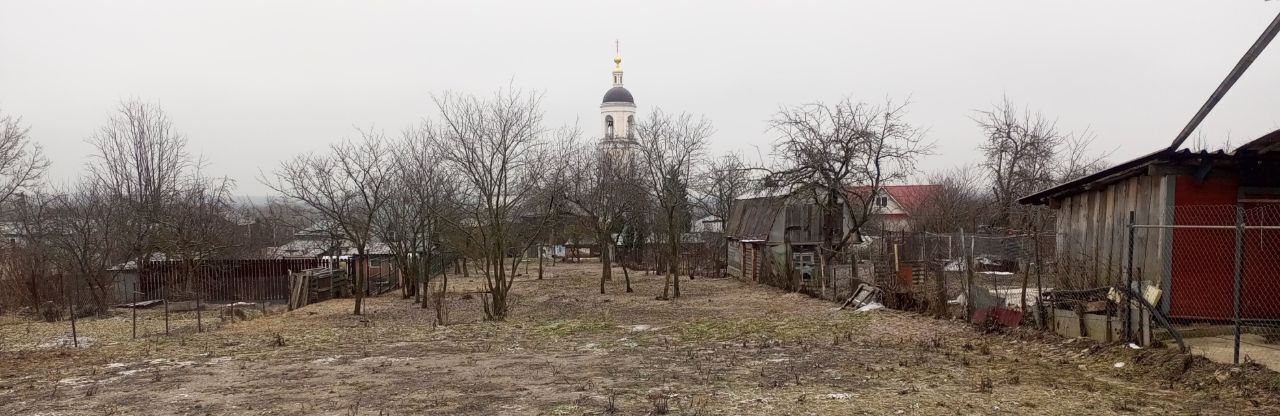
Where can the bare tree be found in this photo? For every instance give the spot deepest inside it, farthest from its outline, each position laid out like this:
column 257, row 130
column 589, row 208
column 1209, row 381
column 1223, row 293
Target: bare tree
column 197, row 227
column 600, row 186
column 22, row 166
column 422, row 194
column 346, row 186
column 142, row 163
column 839, row 156
column 1026, row 152
column 670, row 147
column 29, row 257
column 22, row 161
column 87, row 243
column 961, row 202
column 497, row 148
column 723, row 180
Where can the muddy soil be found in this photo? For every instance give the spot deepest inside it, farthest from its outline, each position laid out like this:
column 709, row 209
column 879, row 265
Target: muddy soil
column 724, row 347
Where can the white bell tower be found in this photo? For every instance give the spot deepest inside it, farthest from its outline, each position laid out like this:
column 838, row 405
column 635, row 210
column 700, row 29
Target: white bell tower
column 617, row 111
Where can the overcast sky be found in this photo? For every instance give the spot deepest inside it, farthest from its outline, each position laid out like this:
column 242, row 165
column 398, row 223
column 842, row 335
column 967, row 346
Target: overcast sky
column 251, row 83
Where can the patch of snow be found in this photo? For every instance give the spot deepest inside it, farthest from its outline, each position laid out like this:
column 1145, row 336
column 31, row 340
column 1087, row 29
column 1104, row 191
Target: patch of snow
column 839, row 396
column 76, row 381
column 641, row 328
column 870, row 307
column 384, row 358
column 326, row 360
column 219, row 360
column 956, row 265
column 65, row 341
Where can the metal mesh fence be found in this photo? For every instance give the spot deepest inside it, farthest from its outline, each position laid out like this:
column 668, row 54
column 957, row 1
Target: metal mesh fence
column 928, row 272
column 1217, row 270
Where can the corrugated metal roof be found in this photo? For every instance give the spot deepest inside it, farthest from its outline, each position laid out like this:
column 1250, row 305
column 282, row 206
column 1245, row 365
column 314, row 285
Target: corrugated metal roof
column 1269, row 142
column 752, row 219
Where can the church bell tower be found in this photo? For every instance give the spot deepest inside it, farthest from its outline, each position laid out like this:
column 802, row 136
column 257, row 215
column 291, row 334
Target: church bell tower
column 618, row 112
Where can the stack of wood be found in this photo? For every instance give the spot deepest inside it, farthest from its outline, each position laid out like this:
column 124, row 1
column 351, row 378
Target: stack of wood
column 317, row 285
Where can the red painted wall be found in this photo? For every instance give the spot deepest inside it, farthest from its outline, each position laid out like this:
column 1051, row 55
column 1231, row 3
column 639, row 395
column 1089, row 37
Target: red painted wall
column 1203, row 275
column 1261, row 262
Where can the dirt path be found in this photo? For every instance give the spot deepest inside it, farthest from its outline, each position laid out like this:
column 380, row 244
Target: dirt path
column 724, row 348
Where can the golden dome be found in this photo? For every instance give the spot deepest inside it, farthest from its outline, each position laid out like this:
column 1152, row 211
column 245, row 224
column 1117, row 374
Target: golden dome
column 617, row 62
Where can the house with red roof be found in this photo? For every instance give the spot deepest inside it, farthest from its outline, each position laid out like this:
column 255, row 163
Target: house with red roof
column 894, row 208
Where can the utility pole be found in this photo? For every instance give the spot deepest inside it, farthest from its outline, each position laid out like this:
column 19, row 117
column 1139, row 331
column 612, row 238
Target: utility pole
column 1249, row 56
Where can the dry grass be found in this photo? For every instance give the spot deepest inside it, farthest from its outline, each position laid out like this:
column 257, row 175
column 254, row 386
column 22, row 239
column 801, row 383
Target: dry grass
column 724, row 348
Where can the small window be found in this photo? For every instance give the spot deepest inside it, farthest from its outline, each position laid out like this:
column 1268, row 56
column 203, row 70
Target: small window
column 608, row 126
column 882, row 201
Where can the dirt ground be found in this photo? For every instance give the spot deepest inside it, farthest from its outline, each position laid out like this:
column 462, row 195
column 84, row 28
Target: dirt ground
column 725, row 347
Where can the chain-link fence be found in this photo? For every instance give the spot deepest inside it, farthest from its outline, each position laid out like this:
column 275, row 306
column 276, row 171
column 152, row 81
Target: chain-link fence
column 1214, row 272
column 931, row 271
column 928, row 272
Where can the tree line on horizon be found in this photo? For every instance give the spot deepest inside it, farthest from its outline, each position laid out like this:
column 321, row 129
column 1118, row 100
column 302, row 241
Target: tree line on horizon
column 485, row 179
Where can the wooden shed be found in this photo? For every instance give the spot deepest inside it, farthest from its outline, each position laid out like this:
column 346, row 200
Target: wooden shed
column 773, row 226
column 1193, row 266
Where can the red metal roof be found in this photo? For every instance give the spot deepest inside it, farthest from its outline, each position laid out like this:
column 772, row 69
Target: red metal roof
column 912, row 198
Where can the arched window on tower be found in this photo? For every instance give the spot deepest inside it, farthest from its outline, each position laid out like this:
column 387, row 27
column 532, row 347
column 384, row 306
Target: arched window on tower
column 631, row 126
column 608, row 126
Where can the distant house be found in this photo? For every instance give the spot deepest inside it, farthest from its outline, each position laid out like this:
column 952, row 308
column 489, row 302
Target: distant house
column 1194, row 267
column 316, row 242
column 895, row 208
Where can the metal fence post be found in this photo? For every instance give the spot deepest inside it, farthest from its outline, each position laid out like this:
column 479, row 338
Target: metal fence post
column 1239, row 277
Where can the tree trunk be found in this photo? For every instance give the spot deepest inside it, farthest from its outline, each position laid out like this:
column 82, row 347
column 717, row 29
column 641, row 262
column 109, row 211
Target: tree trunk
column 823, row 261
column 418, row 280
column 1026, row 280
column 606, row 269
column 515, row 264
column 403, row 275
column 606, row 256
column 626, row 277
column 425, row 272
column 440, row 305
column 358, row 285
column 34, row 284
column 606, row 261
column 674, row 239
column 541, row 255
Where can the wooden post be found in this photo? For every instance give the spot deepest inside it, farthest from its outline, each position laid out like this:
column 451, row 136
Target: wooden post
column 968, row 279
column 71, row 307
column 164, row 293
column 134, row 310
column 199, row 320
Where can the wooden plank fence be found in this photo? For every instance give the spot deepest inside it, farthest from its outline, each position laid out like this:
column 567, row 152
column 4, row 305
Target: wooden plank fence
column 222, row 280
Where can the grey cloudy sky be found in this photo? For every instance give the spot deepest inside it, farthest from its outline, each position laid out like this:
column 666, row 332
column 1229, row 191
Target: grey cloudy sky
column 251, row 83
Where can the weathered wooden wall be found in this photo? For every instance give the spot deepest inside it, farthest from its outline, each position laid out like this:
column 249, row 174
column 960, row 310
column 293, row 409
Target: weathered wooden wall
column 1093, row 232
